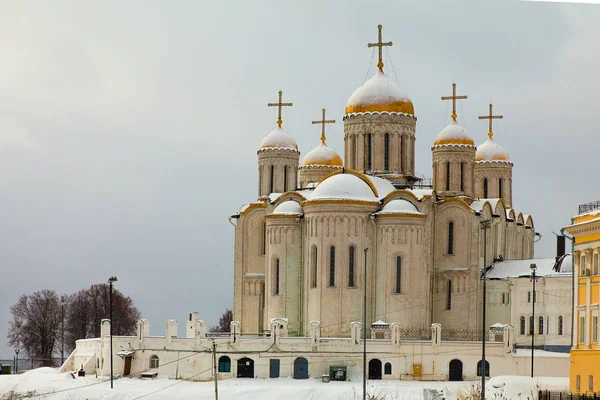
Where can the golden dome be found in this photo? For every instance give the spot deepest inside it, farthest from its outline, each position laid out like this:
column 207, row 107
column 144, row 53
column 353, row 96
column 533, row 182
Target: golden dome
column 490, row 150
column 322, row 155
column 379, row 94
column 453, row 134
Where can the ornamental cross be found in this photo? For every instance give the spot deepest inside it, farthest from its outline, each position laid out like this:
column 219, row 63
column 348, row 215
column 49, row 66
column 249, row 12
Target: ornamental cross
column 323, row 121
column 279, row 104
column 454, row 97
column 379, row 44
column 491, row 117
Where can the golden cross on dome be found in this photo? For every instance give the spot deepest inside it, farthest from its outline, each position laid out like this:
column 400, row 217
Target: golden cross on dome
column 323, row 121
column 379, row 44
column 491, row 117
column 279, row 104
column 454, row 97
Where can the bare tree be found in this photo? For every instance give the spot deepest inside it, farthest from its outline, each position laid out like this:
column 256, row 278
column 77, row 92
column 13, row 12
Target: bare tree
column 224, row 322
column 88, row 307
column 35, row 324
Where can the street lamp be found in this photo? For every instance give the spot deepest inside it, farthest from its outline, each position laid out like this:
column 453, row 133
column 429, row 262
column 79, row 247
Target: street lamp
column 484, row 225
column 63, row 300
column 17, row 360
column 110, row 285
column 533, row 280
column 365, row 328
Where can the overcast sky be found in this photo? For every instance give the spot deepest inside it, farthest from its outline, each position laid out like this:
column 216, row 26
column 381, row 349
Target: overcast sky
column 129, row 130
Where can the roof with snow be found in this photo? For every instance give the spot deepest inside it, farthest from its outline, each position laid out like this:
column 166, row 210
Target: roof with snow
column 279, row 139
column 399, row 206
column 490, row 150
column 344, row 187
column 322, row 155
column 379, row 94
column 546, row 267
column 288, row 207
column 453, row 134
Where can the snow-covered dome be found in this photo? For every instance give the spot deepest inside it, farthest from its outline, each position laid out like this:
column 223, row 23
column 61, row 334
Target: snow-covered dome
column 379, row 94
column 288, row 207
column 279, row 139
column 453, row 134
column 399, row 206
column 490, row 150
column 344, row 186
column 322, row 155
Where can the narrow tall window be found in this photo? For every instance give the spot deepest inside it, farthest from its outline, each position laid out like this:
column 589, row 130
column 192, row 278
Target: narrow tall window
column 398, row 274
column 578, row 383
column 531, row 326
column 450, row 237
column 313, row 282
column 462, row 179
column 503, row 298
column 591, row 383
column 351, row 267
column 582, row 265
column 276, row 273
column 522, row 325
column 485, row 188
column 500, row 187
column 541, row 325
column 264, row 238
column 448, row 175
column 594, row 329
column 272, row 177
column 529, row 296
column 560, row 325
column 449, row 296
column 596, row 264
column 386, row 152
column 581, row 329
column 332, row 266
column 369, row 152
column 285, row 179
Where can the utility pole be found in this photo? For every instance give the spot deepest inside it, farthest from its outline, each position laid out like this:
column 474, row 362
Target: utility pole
column 62, row 329
column 110, row 286
column 533, row 279
column 365, row 329
column 214, row 349
column 484, row 225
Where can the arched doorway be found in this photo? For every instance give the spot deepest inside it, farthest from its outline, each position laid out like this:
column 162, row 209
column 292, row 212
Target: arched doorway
column 455, row 370
column 300, row 368
column 245, row 368
column 375, row 369
column 480, row 369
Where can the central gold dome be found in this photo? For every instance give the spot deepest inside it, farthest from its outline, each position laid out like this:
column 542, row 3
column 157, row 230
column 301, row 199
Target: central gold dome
column 379, row 94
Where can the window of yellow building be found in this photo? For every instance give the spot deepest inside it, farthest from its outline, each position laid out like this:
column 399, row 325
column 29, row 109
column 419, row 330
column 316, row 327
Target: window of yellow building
column 578, row 383
column 591, row 383
column 581, row 329
column 582, row 265
column 595, row 263
column 594, row 329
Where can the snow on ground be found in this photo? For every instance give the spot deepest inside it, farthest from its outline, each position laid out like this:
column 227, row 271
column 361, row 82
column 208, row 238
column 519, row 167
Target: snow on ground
column 46, row 383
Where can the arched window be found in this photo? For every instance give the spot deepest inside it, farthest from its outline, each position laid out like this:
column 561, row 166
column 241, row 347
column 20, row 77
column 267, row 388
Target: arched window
column 369, row 152
column 560, row 325
column 398, row 274
column 224, row 364
column 541, row 325
column 154, row 361
column 332, row 266
column 351, row 266
column 480, row 371
column 449, row 295
column 485, row 188
column 387, row 369
column 448, row 175
column 313, row 281
column 531, row 326
column 500, row 187
column 285, row 178
column 450, row 237
column 272, row 177
column 462, row 179
column 264, row 239
column 276, row 277
column 386, row 152
column 522, row 325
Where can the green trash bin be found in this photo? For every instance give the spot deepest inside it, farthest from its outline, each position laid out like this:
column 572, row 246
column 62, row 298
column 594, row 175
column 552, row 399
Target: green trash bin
column 337, row 373
column 5, row 369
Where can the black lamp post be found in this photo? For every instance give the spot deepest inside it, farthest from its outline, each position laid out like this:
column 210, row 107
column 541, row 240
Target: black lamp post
column 533, row 280
column 110, row 284
column 484, row 225
column 365, row 329
column 63, row 300
column 17, row 360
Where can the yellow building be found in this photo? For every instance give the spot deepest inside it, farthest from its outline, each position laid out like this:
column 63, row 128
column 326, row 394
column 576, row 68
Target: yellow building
column 585, row 353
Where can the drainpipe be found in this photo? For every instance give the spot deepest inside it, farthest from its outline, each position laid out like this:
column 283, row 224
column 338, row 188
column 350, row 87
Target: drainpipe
column 572, row 239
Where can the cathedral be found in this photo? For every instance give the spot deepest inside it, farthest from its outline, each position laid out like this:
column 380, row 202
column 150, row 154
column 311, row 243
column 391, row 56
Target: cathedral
column 323, row 227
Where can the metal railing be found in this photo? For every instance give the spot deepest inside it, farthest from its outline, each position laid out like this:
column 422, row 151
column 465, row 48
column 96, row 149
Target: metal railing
column 587, row 207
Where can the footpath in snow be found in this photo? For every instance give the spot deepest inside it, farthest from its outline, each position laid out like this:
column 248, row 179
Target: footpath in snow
column 46, row 383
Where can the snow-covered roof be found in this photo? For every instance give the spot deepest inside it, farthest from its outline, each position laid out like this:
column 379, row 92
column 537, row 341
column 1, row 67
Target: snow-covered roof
column 490, row 150
column 453, row 134
column 399, row 206
column 344, row 187
column 521, row 268
column 288, row 207
column 420, row 193
column 379, row 94
column 383, row 186
column 477, row 205
column 322, row 155
column 380, row 322
column 279, row 139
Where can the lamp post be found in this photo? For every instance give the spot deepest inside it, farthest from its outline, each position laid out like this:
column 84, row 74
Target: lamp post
column 17, row 360
column 484, row 225
column 533, row 280
column 110, row 285
column 365, row 329
column 63, row 300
